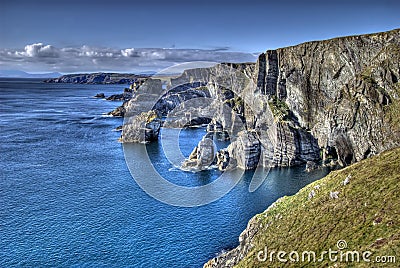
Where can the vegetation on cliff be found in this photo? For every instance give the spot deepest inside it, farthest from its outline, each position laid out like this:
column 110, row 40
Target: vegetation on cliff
column 358, row 204
column 279, row 109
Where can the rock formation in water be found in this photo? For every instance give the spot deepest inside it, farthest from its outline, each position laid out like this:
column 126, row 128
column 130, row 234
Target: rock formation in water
column 202, row 156
column 243, row 153
column 100, row 95
column 125, row 96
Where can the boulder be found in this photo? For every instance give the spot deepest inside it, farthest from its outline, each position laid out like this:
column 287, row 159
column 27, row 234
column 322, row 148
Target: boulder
column 118, row 112
column 311, row 165
column 100, row 95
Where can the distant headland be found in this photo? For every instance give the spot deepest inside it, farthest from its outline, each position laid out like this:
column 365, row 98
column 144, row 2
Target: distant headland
column 99, row 78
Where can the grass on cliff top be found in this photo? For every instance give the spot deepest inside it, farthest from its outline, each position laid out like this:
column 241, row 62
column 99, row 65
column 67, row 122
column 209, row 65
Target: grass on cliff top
column 365, row 215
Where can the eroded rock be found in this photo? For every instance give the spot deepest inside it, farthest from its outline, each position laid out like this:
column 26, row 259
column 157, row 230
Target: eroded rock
column 202, row 157
column 141, row 128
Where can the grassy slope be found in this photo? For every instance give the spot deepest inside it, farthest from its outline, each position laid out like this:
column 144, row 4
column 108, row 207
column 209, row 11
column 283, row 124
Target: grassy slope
column 299, row 223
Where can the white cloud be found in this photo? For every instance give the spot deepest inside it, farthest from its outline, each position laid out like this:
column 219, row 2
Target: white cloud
column 39, row 57
column 129, row 52
column 153, row 54
column 87, row 51
column 38, row 50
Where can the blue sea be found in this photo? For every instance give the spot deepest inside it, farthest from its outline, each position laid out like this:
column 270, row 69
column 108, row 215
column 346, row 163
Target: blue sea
column 68, row 199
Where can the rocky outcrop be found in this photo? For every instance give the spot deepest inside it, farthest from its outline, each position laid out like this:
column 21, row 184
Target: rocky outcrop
column 243, row 153
column 100, row 95
column 238, row 107
column 202, row 157
column 321, row 100
column 125, row 96
column 118, row 112
column 141, row 128
column 137, row 102
column 180, row 111
column 179, row 95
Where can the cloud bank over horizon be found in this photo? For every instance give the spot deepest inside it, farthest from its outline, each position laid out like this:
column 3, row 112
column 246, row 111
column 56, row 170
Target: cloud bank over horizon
column 40, row 57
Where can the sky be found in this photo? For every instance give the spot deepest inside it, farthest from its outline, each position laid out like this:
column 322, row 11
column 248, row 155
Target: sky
column 138, row 36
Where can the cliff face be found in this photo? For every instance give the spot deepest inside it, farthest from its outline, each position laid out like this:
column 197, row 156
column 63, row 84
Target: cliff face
column 339, row 90
column 335, row 99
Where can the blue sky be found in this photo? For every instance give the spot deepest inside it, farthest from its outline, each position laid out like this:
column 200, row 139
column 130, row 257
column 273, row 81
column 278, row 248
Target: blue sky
column 133, row 36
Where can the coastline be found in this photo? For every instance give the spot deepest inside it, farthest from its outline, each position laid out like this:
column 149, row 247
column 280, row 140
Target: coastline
column 364, row 103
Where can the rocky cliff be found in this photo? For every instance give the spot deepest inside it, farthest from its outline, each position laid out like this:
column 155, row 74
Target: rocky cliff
column 339, row 90
column 335, row 100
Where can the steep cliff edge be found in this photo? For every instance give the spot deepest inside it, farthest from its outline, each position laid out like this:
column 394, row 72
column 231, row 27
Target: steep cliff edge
column 340, row 90
column 355, row 206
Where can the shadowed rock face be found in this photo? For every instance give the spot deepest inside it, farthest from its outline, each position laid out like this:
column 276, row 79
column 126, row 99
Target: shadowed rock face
column 339, row 90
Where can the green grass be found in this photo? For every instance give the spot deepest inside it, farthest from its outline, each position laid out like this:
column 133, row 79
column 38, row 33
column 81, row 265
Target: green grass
column 392, row 111
column 300, row 223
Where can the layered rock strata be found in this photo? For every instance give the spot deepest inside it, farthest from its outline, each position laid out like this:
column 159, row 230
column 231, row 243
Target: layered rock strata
column 335, row 99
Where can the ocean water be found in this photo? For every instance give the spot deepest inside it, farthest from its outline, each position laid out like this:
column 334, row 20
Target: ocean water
column 67, row 197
